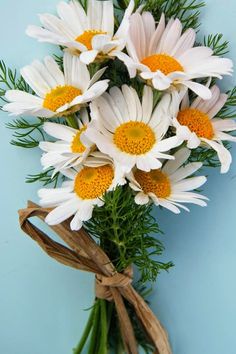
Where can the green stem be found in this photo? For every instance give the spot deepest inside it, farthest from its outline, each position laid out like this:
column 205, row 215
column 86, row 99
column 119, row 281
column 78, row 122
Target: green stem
column 103, row 339
column 110, row 309
column 85, row 334
column 94, row 337
column 120, row 348
column 71, row 121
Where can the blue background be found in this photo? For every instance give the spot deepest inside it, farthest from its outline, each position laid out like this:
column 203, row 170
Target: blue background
column 42, row 303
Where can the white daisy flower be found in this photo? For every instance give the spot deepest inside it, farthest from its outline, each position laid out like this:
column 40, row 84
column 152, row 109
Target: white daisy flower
column 57, row 93
column 130, row 131
column 91, row 34
column 68, row 151
column 170, row 186
column 166, row 58
column 78, row 196
column 198, row 125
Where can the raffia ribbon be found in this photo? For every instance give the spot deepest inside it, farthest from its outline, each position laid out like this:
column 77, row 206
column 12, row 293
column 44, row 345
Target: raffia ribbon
column 103, row 284
column 83, row 253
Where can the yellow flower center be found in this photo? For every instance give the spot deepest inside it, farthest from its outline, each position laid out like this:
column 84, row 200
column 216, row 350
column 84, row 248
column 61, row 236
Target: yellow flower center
column 86, row 38
column 60, row 96
column 163, row 62
column 76, row 145
column 93, row 182
column 134, row 138
column 197, row 121
column 155, row 182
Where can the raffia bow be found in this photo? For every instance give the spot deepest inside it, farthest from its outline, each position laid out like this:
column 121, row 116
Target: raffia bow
column 84, row 254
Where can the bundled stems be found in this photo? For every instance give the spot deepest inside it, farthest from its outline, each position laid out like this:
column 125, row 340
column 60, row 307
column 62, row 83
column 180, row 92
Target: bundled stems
column 83, row 340
column 103, row 338
column 125, row 243
column 97, row 329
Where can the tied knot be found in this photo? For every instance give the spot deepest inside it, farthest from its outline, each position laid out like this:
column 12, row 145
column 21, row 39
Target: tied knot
column 82, row 252
column 118, row 280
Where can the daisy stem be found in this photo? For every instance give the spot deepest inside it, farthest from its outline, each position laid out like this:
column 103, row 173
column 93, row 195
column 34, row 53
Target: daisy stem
column 95, row 331
column 119, row 349
column 86, row 333
column 103, row 348
column 110, row 309
column 71, row 121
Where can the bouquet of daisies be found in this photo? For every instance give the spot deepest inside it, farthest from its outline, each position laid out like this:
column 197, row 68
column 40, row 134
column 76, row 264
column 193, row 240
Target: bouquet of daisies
column 126, row 117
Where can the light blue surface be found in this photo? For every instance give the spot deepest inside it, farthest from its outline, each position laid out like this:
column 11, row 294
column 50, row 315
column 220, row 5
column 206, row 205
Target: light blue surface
column 42, row 302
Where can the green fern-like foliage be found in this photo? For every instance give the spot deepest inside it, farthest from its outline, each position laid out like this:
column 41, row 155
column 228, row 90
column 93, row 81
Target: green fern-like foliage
column 187, row 11
column 127, row 232
column 27, row 133
column 229, row 109
column 217, row 42
column 46, row 177
column 10, row 80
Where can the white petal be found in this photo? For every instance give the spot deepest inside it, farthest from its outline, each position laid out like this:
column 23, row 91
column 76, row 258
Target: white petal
column 180, row 157
column 164, row 35
column 172, row 37
column 122, row 31
column 80, row 13
column 168, row 205
column 85, row 211
column 120, row 103
column 130, row 64
column 59, row 131
column 88, row 56
column 149, row 162
column 157, row 35
column 183, row 199
column 44, row 73
column 36, row 82
column 44, row 35
column 217, row 107
column 108, row 116
column 206, row 105
column 199, row 89
column 168, row 143
column 193, row 56
column 137, row 35
column 62, row 212
column 223, row 154
column 76, row 72
column 185, row 42
column 55, row 147
column 30, row 101
column 76, row 223
column 130, row 97
column 55, row 199
column 225, row 125
column 68, row 13
column 160, row 81
column 185, row 171
column 108, row 17
column 55, row 71
column 149, row 28
column 97, row 76
column 93, row 92
column 189, row 184
column 147, row 104
column 99, row 41
column 141, row 198
column 94, row 13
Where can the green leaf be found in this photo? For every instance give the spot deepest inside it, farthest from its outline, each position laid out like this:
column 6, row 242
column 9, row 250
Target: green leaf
column 28, row 133
column 187, row 11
